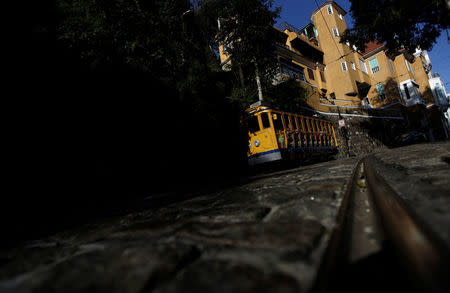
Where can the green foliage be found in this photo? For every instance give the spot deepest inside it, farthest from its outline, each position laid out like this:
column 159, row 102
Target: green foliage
column 289, row 96
column 398, row 23
column 128, row 32
column 246, row 31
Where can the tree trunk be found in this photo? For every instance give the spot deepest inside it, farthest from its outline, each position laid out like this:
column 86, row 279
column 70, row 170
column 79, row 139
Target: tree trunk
column 258, row 83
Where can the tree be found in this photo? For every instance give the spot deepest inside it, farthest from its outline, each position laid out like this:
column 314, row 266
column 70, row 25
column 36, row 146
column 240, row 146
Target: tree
column 150, row 92
column 146, row 35
column 288, row 95
column 246, row 30
column 400, row 24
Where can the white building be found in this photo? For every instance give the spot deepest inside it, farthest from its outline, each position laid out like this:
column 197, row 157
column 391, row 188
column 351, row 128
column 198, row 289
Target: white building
column 438, row 90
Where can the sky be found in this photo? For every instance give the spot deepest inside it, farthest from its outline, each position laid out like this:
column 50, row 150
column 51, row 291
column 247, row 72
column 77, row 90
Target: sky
column 297, row 13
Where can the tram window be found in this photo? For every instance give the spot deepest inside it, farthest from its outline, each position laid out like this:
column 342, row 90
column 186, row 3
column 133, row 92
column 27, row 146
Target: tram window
column 313, row 124
column 277, row 121
column 265, row 120
column 253, row 124
column 301, row 124
column 286, row 121
column 308, row 125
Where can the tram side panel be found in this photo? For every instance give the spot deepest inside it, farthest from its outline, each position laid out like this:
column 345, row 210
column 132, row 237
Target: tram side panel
column 276, row 135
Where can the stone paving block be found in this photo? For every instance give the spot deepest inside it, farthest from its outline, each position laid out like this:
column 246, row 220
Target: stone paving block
column 226, row 276
column 266, row 235
column 420, row 174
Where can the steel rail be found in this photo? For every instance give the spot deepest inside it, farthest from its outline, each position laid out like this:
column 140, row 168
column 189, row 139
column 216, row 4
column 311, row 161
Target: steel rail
column 421, row 252
column 336, row 254
column 413, row 248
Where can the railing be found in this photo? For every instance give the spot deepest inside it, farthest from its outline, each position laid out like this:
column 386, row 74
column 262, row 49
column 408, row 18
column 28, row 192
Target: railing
column 435, row 74
column 284, row 25
column 375, row 69
column 314, row 41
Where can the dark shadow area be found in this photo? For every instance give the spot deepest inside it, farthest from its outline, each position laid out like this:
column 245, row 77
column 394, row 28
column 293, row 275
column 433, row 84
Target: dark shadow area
column 283, row 167
column 99, row 135
column 379, row 272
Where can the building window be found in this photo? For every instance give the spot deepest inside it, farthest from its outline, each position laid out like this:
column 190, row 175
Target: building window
column 292, row 70
column 322, row 76
column 405, row 87
column 344, row 66
column 374, row 65
column 439, row 92
column 363, row 66
column 335, row 32
column 406, row 64
column 381, row 94
column 410, row 66
column 333, row 96
column 310, row 74
column 353, row 65
column 365, row 103
column 330, row 9
column 340, row 16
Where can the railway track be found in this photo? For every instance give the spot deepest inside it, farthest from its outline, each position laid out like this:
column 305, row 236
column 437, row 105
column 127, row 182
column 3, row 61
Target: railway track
column 380, row 244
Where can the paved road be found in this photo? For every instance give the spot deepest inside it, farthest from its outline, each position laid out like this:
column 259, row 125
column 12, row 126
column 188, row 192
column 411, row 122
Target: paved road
column 266, row 235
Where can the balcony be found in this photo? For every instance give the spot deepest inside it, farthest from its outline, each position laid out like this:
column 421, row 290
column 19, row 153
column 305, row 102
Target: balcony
column 313, row 40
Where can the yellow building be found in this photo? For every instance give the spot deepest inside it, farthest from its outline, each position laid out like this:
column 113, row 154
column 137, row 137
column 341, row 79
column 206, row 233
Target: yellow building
column 370, row 78
column 342, row 78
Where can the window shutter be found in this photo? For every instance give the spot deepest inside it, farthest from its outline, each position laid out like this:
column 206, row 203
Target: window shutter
column 363, row 66
column 392, row 65
column 322, row 76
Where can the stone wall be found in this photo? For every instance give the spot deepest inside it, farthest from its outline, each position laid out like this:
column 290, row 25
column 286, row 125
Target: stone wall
column 363, row 135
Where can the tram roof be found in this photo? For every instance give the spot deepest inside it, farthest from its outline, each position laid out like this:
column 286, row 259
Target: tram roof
column 257, row 109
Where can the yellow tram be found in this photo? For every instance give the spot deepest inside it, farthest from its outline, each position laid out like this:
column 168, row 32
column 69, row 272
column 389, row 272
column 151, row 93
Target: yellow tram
column 276, row 135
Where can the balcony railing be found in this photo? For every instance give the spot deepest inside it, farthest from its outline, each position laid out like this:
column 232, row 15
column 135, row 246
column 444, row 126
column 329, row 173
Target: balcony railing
column 435, row 74
column 375, row 69
column 313, row 40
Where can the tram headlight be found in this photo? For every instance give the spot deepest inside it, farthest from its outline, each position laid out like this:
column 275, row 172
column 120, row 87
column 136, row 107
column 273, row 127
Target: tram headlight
column 257, row 142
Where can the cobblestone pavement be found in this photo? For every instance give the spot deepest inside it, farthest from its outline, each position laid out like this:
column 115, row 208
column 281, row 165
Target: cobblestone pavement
column 266, row 235
column 420, row 174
